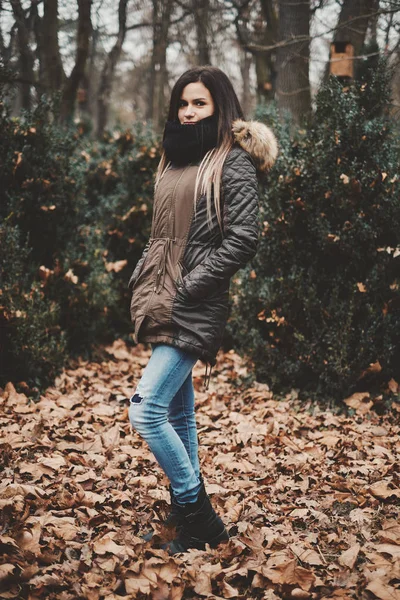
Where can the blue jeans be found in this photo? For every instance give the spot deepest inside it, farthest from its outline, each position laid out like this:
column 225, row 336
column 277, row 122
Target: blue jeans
column 162, row 412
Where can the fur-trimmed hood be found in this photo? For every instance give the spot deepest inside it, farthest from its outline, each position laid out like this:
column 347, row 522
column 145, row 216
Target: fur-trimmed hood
column 258, row 140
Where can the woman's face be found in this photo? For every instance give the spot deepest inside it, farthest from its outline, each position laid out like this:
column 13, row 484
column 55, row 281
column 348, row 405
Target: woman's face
column 196, row 103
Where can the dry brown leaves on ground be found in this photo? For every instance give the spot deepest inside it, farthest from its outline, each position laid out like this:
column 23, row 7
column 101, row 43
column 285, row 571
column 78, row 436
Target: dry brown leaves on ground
column 311, row 498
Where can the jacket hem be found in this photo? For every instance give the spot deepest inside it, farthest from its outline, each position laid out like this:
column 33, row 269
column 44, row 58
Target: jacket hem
column 173, row 341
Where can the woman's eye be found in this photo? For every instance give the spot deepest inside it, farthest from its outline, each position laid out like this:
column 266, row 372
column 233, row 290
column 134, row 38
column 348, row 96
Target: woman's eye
column 182, row 103
column 200, row 103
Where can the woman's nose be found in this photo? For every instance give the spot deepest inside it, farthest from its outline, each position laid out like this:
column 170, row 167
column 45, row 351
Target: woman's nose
column 189, row 111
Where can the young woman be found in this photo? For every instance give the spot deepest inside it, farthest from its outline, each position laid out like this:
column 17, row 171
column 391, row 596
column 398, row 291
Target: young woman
column 205, row 228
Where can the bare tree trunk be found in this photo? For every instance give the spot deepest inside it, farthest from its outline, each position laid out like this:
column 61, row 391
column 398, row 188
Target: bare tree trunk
column 201, row 16
column 353, row 22
column 265, row 61
column 89, row 85
column 158, row 76
column 266, row 34
column 108, row 71
column 265, row 76
column 40, row 50
column 373, row 28
column 82, row 52
column 53, row 72
column 395, row 86
column 26, row 58
column 293, row 85
column 245, row 63
column 352, row 25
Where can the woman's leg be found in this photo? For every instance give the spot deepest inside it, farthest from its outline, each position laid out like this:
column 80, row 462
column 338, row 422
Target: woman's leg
column 182, row 417
column 164, row 375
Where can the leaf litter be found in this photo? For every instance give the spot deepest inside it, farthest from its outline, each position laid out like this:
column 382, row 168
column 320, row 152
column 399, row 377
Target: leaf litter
column 311, row 497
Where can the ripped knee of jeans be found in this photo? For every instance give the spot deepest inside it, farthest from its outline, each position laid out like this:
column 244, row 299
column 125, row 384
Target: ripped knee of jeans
column 136, row 399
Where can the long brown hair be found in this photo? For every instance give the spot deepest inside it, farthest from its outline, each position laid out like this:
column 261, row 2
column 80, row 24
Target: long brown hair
column 227, row 110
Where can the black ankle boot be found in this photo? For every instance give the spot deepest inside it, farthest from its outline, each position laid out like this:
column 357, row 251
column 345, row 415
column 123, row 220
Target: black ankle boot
column 174, row 518
column 200, row 526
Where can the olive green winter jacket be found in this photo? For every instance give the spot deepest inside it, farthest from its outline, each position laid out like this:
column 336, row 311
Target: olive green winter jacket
column 180, row 286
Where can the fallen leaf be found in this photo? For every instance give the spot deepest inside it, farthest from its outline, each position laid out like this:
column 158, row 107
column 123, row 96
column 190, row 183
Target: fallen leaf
column 116, row 266
column 6, row 570
column 382, row 590
column 349, row 557
column 391, row 549
column 106, row 544
column 53, row 463
column 359, row 402
column 381, row 489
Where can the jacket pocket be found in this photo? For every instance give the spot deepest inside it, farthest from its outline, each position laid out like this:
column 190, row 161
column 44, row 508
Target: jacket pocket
column 179, row 282
column 138, row 270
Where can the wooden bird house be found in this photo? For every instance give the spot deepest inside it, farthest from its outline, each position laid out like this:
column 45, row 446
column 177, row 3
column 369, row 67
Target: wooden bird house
column 341, row 60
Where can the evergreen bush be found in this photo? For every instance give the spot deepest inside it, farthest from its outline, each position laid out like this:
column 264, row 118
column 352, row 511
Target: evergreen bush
column 320, row 303
column 74, row 217
column 120, row 182
column 32, row 345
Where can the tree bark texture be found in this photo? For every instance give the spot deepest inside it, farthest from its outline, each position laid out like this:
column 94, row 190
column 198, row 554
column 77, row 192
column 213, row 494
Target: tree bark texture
column 53, row 71
column 293, row 85
column 89, row 85
column 245, row 63
column 26, row 58
column 107, row 74
column 353, row 22
column 201, row 17
column 265, row 34
column 395, row 109
column 40, row 50
column 354, row 18
column 158, row 76
column 265, row 62
column 82, row 52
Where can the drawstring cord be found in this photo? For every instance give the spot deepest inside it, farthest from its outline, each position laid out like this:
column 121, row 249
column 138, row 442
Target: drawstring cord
column 207, row 376
column 161, row 270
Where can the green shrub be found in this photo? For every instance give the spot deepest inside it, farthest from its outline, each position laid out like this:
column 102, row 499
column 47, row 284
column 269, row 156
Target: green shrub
column 32, row 345
column 120, row 181
column 74, row 217
column 320, row 303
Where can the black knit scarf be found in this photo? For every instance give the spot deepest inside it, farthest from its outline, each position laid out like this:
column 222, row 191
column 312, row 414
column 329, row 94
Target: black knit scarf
column 184, row 144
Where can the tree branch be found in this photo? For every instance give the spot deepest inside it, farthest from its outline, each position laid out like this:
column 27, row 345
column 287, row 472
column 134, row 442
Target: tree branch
column 305, row 38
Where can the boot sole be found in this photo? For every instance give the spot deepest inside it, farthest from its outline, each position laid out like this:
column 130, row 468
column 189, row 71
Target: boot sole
column 179, row 547
column 213, row 542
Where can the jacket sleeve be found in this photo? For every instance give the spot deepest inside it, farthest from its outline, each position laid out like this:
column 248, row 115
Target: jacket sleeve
column 240, row 193
column 138, row 267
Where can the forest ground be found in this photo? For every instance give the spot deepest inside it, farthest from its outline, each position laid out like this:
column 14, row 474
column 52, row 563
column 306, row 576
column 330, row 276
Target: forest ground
column 311, row 495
